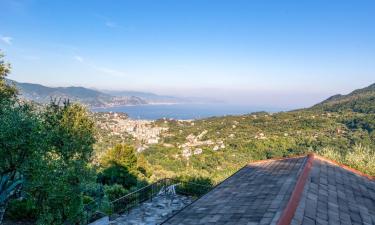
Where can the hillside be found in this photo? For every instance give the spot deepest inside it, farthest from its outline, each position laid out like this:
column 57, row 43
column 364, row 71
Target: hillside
column 149, row 97
column 92, row 98
column 360, row 100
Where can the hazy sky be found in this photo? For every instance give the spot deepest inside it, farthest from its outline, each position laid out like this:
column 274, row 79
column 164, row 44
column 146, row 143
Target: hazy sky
column 261, row 52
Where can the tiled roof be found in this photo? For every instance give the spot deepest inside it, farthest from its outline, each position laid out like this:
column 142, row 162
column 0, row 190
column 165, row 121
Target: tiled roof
column 333, row 195
column 302, row 190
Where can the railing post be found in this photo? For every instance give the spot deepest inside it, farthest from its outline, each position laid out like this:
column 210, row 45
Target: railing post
column 165, row 187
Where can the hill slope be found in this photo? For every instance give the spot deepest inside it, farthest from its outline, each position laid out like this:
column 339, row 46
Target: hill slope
column 149, row 97
column 360, row 100
column 86, row 96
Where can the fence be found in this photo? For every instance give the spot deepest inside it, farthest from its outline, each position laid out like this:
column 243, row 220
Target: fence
column 129, row 201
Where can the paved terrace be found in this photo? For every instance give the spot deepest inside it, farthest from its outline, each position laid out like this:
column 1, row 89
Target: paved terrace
column 256, row 194
column 306, row 190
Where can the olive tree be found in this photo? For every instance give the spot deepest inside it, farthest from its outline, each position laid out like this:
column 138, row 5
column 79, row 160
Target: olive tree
column 19, row 140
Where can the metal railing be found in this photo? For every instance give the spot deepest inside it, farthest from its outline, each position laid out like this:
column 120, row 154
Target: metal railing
column 127, row 202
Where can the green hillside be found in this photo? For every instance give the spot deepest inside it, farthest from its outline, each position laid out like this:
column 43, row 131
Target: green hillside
column 254, row 137
column 360, row 100
column 341, row 128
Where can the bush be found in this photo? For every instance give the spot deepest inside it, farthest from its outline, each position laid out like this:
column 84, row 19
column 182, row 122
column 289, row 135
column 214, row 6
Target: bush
column 87, row 199
column 21, row 210
column 115, row 191
column 361, row 158
column 117, row 174
column 194, row 186
column 94, row 190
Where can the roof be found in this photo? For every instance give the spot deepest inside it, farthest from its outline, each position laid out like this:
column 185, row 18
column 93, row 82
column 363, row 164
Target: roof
column 301, row 190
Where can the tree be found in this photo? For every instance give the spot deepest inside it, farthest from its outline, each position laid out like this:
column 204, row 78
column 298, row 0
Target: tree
column 19, row 140
column 119, row 166
column 8, row 93
column 122, row 155
column 57, row 182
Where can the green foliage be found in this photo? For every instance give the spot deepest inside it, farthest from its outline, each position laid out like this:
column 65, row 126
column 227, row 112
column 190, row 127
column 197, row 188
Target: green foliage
column 360, row 100
column 7, row 92
column 93, row 190
column 19, row 140
column 58, row 179
column 115, row 191
column 194, row 186
column 285, row 134
column 360, row 158
column 365, row 122
column 24, row 209
column 120, row 166
column 87, row 199
column 121, row 155
column 116, row 174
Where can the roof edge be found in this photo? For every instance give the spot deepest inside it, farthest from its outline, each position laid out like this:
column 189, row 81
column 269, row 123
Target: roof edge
column 276, row 159
column 316, row 156
column 357, row 172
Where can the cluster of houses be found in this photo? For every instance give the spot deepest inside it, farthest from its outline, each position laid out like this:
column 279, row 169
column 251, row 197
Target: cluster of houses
column 193, row 144
column 142, row 130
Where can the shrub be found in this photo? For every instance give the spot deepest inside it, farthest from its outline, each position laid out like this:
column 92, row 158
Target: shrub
column 194, row 186
column 94, row 190
column 87, row 199
column 117, row 174
column 21, row 210
column 360, row 158
column 115, row 191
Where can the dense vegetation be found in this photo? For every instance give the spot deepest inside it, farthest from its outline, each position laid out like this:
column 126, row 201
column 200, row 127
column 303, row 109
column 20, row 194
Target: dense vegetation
column 260, row 136
column 47, row 172
column 361, row 100
column 341, row 128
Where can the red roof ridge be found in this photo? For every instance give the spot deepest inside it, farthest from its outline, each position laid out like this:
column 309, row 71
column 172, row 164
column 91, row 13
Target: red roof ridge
column 291, row 207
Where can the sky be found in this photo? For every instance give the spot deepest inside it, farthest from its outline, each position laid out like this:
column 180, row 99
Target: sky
column 259, row 52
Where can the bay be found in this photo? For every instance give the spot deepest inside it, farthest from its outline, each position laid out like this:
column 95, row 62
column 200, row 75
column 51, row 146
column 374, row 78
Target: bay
column 185, row 111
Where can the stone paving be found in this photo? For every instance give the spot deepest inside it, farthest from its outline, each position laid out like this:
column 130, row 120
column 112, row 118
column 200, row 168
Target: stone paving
column 153, row 212
column 256, row 194
column 333, row 195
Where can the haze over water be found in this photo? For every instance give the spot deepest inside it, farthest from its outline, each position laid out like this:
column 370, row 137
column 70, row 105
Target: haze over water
column 185, row 111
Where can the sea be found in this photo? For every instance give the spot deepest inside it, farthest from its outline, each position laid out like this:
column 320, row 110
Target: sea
column 185, row 111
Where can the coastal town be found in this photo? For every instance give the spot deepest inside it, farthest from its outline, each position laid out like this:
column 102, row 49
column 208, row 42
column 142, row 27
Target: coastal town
column 144, row 132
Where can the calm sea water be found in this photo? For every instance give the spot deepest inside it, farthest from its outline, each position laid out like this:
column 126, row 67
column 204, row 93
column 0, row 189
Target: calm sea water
column 184, row 111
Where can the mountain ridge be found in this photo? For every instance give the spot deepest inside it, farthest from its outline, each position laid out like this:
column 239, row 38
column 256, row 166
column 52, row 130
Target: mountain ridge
column 89, row 97
column 360, row 100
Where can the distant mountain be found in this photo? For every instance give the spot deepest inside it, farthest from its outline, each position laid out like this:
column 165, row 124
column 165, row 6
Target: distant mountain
column 360, row 100
column 92, row 98
column 149, row 97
